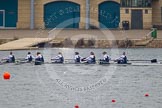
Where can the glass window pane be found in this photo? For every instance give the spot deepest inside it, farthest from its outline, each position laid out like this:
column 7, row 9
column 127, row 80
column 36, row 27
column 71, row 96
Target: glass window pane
column 140, row 4
column 136, row 3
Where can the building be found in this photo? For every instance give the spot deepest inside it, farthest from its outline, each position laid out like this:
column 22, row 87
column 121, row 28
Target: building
column 82, row 14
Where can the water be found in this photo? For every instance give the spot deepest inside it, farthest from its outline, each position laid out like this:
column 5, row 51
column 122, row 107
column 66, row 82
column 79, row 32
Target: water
column 89, row 86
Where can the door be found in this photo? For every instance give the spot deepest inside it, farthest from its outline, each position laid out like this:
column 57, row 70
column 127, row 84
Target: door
column 10, row 11
column 137, row 19
column 61, row 14
column 76, row 19
column 109, row 14
column 2, row 15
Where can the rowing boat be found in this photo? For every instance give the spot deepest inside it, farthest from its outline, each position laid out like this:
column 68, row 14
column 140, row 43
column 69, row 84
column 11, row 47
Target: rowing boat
column 109, row 64
column 84, row 63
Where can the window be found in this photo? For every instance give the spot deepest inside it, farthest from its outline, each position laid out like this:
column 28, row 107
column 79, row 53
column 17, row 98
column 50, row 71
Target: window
column 140, row 3
column 127, row 11
column 126, row 3
column 146, row 11
column 136, row 3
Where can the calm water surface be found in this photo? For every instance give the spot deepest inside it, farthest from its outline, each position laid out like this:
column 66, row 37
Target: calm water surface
column 90, row 86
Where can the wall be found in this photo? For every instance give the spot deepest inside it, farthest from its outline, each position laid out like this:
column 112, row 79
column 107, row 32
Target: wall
column 147, row 18
column 94, row 10
column 156, row 16
column 23, row 14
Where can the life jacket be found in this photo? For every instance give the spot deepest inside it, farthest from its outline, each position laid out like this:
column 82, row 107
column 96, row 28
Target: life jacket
column 91, row 59
column 39, row 58
column 13, row 58
column 30, row 58
column 77, row 59
column 107, row 59
column 125, row 60
column 94, row 59
column 42, row 59
column 61, row 59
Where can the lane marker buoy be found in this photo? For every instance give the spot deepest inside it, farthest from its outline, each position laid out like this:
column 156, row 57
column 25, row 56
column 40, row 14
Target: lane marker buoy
column 76, row 106
column 146, row 95
column 113, row 101
column 6, row 75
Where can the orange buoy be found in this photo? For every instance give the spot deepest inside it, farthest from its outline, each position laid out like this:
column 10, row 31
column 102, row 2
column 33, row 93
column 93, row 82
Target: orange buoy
column 146, row 95
column 76, row 106
column 113, row 101
column 6, row 75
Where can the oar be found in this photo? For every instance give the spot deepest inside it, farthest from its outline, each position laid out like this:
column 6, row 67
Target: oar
column 3, row 61
column 21, row 59
column 139, row 60
column 153, row 60
column 18, row 62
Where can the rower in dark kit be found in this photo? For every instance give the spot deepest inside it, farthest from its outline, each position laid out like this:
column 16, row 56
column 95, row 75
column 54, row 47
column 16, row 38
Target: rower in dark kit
column 39, row 57
column 29, row 57
column 77, row 57
column 106, row 58
column 122, row 59
column 91, row 59
column 58, row 59
column 10, row 58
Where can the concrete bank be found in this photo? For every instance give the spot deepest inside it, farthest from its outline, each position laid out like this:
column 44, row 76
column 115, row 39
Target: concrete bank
column 2, row 41
column 23, row 44
column 136, row 43
column 29, row 43
column 78, row 39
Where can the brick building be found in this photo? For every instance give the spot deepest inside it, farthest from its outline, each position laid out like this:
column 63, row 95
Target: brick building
column 80, row 14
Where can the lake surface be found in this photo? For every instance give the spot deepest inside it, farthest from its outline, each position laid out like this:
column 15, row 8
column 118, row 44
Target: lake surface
column 89, row 86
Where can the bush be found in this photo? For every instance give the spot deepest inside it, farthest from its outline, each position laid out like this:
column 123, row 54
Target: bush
column 67, row 42
column 124, row 43
column 91, row 42
column 128, row 43
column 80, row 43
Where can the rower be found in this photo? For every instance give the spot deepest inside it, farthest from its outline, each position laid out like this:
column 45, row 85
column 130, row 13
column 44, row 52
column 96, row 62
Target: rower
column 77, row 57
column 91, row 59
column 59, row 58
column 29, row 57
column 122, row 59
column 105, row 59
column 39, row 57
column 10, row 58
